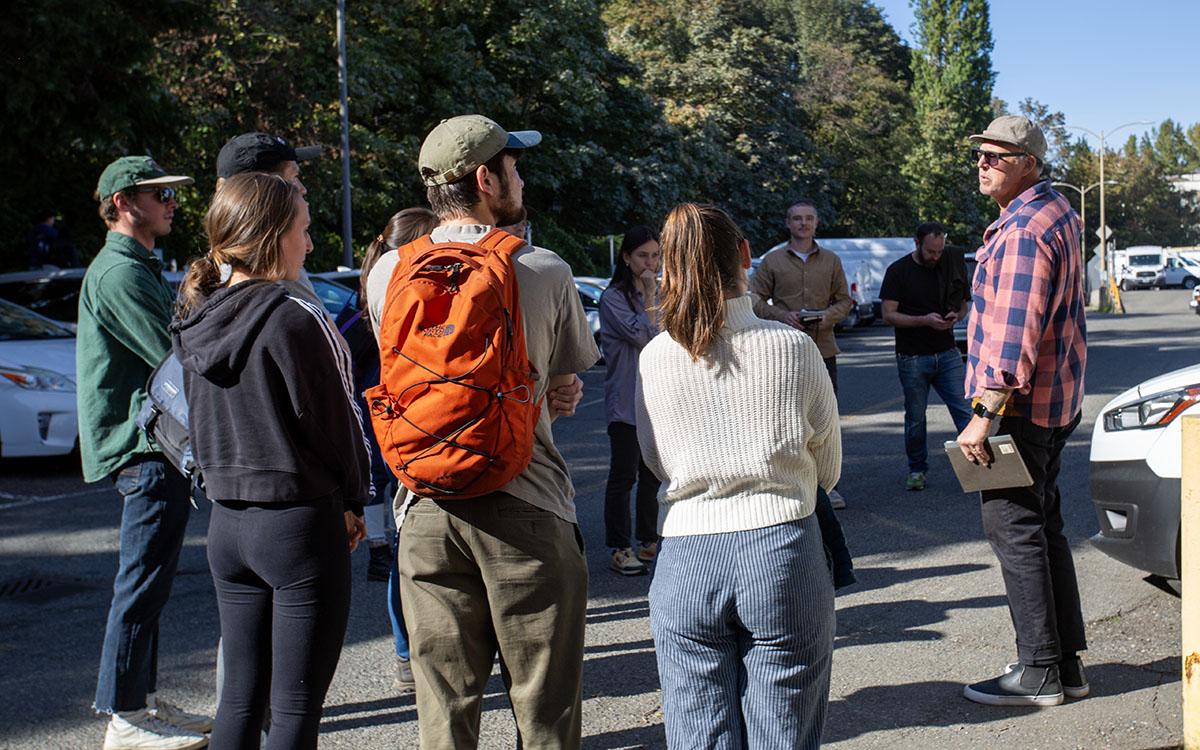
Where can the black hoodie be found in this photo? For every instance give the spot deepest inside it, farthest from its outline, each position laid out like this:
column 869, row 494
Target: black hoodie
column 270, row 398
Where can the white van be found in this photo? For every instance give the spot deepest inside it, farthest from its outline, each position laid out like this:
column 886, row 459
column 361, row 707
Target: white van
column 1138, row 267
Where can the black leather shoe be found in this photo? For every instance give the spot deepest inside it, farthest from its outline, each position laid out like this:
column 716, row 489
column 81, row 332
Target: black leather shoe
column 1070, row 673
column 1024, row 686
column 379, row 566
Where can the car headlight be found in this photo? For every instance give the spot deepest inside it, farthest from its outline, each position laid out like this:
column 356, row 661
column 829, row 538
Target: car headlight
column 1154, row 411
column 37, row 379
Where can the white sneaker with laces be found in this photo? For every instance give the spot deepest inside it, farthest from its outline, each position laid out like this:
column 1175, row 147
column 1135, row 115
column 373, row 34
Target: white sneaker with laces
column 626, row 563
column 176, row 716
column 138, row 730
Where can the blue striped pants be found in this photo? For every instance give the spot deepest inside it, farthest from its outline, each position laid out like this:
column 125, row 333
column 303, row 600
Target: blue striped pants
column 743, row 626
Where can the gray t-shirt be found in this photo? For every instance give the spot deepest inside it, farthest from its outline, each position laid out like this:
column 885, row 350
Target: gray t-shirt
column 557, row 338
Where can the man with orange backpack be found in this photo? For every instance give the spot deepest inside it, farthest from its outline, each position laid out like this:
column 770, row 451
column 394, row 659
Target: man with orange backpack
column 481, row 336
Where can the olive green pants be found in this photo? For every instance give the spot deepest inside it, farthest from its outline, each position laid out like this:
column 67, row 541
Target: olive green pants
column 485, row 576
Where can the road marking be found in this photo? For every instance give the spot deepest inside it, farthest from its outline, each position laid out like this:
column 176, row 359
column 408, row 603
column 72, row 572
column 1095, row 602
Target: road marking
column 593, row 402
column 20, row 501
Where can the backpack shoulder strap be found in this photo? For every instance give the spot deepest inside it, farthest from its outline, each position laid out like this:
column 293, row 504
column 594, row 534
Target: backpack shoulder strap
column 501, row 241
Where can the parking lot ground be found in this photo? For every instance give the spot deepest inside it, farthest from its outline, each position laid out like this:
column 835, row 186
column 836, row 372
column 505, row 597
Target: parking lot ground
column 927, row 615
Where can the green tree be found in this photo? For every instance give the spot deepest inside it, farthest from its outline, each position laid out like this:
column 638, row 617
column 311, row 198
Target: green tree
column 853, row 85
column 952, row 96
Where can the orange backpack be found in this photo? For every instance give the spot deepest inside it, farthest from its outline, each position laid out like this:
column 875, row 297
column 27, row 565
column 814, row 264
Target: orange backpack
column 454, row 411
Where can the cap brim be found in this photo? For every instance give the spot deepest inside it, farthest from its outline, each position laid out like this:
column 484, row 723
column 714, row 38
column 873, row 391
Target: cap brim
column 305, row 153
column 167, row 180
column 986, row 136
column 523, row 139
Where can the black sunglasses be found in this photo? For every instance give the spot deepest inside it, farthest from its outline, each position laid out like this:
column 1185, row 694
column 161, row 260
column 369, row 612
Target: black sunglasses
column 992, row 158
column 165, row 194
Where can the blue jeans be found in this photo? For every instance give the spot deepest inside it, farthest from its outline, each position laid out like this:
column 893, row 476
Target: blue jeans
column 395, row 614
column 153, row 524
column 945, row 372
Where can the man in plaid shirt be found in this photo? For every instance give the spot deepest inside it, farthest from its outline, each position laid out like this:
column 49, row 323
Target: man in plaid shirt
column 1026, row 354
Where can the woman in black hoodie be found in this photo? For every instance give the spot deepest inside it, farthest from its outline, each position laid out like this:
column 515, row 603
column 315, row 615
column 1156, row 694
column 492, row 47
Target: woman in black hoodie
column 279, row 441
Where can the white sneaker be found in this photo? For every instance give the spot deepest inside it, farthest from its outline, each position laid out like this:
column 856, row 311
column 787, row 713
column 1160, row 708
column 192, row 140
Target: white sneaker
column 176, row 716
column 138, row 730
column 836, row 500
column 626, row 563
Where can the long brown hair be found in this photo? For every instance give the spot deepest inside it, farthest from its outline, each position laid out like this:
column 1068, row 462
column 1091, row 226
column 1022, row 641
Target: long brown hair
column 248, row 215
column 701, row 262
column 401, row 229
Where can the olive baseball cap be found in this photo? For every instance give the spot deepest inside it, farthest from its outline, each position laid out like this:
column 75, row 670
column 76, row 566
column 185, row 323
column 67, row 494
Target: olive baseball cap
column 259, row 152
column 136, row 171
column 1017, row 130
column 458, row 146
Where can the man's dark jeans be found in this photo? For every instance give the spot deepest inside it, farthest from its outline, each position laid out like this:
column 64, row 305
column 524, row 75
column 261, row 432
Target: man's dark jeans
column 945, row 372
column 153, row 523
column 1024, row 527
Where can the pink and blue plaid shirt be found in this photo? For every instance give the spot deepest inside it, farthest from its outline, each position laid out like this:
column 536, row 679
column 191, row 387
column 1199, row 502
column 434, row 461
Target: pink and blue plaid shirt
column 1027, row 330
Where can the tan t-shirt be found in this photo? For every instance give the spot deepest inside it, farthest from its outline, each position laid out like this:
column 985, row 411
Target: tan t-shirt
column 558, row 340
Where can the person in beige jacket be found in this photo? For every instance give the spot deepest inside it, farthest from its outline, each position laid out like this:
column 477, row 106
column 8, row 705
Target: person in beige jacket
column 804, row 286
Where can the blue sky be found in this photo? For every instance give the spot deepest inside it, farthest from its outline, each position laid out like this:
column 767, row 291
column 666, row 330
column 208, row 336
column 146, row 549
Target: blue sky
column 1099, row 62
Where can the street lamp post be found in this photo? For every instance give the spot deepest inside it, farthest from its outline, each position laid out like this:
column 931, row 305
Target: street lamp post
column 1083, row 222
column 1105, row 300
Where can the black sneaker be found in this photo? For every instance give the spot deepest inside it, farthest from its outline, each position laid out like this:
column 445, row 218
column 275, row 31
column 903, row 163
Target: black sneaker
column 1071, row 674
column 1024, row 686
column 380, row 564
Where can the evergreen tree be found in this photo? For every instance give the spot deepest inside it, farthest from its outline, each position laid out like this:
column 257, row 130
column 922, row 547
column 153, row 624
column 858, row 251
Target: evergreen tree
column 952, row 96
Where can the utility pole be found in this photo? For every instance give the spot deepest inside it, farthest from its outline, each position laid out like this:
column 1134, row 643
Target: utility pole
column 347, row 235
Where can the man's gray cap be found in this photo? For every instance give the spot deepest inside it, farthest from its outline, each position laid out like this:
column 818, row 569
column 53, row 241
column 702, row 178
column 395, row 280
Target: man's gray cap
column 1017, row 130
column 460, row 145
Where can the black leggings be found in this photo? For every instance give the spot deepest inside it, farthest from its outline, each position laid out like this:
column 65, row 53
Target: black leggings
column 282, row 574
column 626, row 467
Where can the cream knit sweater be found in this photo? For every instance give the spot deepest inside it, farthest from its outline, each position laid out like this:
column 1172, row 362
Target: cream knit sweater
column 741, row 440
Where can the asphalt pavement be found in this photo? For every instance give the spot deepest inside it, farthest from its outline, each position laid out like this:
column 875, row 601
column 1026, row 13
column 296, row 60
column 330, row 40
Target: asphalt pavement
column 927, row 615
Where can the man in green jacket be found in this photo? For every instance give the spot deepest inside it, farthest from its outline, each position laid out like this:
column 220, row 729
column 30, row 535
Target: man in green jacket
column 124, row 308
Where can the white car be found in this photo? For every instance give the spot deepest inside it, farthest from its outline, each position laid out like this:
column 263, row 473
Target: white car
column 1135, row 471
column 37, row 385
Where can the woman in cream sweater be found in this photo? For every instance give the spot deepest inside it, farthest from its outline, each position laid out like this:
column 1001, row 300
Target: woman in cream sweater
column 737, row 416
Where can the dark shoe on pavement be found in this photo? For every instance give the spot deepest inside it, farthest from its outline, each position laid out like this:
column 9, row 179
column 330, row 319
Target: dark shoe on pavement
column 380, row 564
column 404, row 682
column 176, row 716
column 915, row 481
column 836, row 500
column 1070, row 674
column 1024, row 686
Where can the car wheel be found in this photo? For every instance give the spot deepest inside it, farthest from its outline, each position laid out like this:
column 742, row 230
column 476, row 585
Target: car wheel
column 1189, row 283
column 1124, row 285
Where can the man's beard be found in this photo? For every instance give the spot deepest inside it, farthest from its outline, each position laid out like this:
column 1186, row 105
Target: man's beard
column 506, row 213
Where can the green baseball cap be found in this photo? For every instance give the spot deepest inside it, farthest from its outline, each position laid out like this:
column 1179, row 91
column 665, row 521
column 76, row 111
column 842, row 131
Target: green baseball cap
column 458, row 146
column 139, row 171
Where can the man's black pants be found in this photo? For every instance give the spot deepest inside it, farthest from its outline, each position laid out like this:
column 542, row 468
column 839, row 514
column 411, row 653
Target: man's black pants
column 1024, row 526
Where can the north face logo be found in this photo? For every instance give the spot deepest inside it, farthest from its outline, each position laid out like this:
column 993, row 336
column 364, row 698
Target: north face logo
column 438, row 331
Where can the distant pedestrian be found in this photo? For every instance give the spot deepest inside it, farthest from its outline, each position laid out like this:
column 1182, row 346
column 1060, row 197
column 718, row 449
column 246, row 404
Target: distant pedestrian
column 803, row 285
column 124, row 310
column 737, row 415
column 41, row 239
column 924, row 295
column 279, row 440
column 503, row 572
column 1027, row 348
column 628, row 320
column 404, row 227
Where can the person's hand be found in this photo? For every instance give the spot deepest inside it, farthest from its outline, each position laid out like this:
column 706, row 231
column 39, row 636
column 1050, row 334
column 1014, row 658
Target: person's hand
column 972, row 441
column 951, row 318
column 826, row 324
column 649, row 282
column 356, row 529
column 936, row 322
column 793, row 318
column 564, row 398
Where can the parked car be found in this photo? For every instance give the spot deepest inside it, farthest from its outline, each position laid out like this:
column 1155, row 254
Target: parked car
column 53, row 293
column 37, row 385
column 1138, row 267
column 589, row 295
column 1136, row 468
column 333, row 296
column 1178, row 272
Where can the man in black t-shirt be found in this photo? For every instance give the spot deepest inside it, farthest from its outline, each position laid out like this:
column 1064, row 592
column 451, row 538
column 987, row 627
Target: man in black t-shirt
column 924, row 294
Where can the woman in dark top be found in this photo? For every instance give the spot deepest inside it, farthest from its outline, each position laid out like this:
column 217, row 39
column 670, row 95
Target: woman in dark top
column 628, row 320
column 279, row 441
